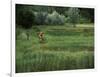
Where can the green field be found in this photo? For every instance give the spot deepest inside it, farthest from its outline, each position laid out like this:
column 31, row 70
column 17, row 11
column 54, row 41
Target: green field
column 64, row 48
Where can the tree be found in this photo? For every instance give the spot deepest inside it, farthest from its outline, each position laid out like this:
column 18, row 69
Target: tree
column 88, row 14
column 73, row 16
column 24, row 16
column 40, row 18
column 55, row 19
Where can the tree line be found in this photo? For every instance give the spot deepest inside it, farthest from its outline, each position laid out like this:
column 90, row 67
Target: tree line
column 30, row 15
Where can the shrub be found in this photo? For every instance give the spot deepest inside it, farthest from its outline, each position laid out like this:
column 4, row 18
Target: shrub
column 55, row 19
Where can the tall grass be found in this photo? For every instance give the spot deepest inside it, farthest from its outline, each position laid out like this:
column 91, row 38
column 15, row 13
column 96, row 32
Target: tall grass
column 63, row 49
column 48, row 61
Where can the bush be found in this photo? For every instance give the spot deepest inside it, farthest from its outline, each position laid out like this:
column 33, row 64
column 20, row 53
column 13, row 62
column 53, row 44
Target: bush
column 55, row 19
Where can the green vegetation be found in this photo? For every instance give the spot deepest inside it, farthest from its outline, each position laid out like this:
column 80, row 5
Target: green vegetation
column 64, row 48
column 30, row 15
column 50, row 38
column 73, row 16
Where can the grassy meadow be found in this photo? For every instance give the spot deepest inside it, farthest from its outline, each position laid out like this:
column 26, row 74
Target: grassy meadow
column 64, row 48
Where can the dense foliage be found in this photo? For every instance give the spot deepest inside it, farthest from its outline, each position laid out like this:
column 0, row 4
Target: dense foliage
column 73, row 16
column 55, row 19
column 40, row 18
column 24, row 16
column 29, row 15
